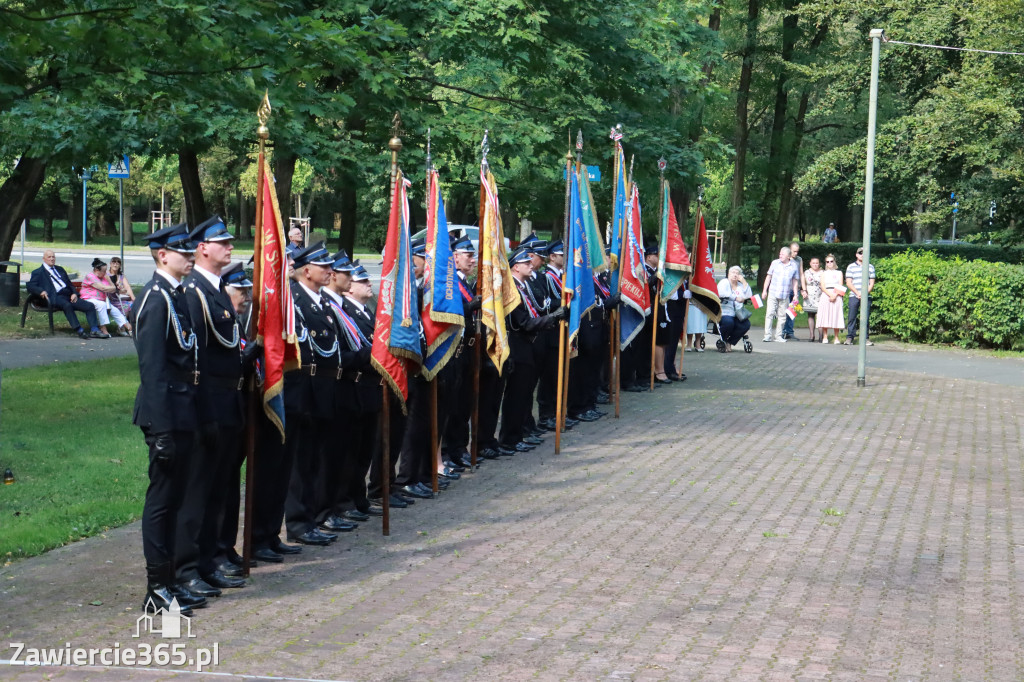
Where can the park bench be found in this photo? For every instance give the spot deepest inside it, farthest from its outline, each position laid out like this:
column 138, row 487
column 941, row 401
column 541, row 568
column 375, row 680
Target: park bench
column 42, row 305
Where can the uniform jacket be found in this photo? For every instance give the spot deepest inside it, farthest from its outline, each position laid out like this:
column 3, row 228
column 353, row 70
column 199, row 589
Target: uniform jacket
column 311, row 391
column 167, row 396
column 220, row 355
column 368, row 386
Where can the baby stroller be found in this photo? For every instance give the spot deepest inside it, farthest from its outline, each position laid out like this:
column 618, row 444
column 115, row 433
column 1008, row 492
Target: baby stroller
column 720, row 343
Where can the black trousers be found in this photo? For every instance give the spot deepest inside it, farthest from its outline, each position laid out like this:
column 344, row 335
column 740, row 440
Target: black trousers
column 203, row 505
column 455, row 437
column 167, row 482
column 546, row 379
column 304, row 437
column 396, row 430
column 333, row 468
column 63, row 302
column 492, row 390
column 271, row 473
column 227, row 524
column 363, row 431
column 517, row 402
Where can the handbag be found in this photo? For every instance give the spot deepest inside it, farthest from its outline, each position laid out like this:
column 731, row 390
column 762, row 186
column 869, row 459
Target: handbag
column 742, row 313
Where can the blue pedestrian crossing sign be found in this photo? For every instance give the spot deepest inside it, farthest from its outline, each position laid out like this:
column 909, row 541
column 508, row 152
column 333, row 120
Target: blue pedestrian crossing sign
column 119, row 169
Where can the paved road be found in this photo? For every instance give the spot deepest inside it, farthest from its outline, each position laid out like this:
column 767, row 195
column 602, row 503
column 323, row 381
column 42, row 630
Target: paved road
column 766, row 520
column 139, row 266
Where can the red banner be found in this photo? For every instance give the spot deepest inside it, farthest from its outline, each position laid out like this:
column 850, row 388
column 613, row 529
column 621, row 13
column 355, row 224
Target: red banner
column 276, row 325
column 702, row 285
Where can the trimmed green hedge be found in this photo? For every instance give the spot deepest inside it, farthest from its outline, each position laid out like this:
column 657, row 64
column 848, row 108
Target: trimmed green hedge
column 922, row 297
column 845, row 252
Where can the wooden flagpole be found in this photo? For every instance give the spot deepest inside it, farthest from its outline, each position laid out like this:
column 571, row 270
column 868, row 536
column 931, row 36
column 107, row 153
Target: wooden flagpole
column 478, row 338
column 395, row 145
column 563, row 360
column 661, row 266
column 614, row 369
column 433, row 382
column 263, row 115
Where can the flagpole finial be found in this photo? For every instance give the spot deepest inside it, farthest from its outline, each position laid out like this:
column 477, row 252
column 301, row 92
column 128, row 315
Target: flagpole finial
column 428, row 151
column 579, row 140
column 700, row 194
column 632, row 158
column 484, row 149
column 662, row 165
column 616, row 133
column 395, row 143
column 263, row 115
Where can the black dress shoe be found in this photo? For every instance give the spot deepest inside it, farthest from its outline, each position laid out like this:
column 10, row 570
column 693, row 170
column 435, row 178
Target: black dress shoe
column 231, row 570
column 490, row 453
column 664, row 381
column 200, row 588
column 375, row 510
column 672, row 376
column 586, row 417
column 268, row 555
column 636, row 388
column 160, row 597
column 450, row 474
column 505, row 451
column 413, row 491
column 532, row 440
column 599, row 413
column 467, row 461
column 186, row 598
column 546, row 424
column 355, row 515
column 570, row 422
column 523, row 447
column 336, row 524
column 281, row 548
column 538, row 433
column 312, row 538
column 218, row 579
column 400, row 501
column 451, row 464
column 428, row 490
column 82, row 334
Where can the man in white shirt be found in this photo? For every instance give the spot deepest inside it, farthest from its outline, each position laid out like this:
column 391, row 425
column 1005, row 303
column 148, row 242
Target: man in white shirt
column 780, row 287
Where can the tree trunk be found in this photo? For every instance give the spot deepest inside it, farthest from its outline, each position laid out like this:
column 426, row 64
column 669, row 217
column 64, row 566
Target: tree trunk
column 129, row 232
column 347, row 234
column 188, row 171
column 284, row 172
column 734, row 230
column 48, row 210
column 16, row 193
column 244, row 227
column 857, row 223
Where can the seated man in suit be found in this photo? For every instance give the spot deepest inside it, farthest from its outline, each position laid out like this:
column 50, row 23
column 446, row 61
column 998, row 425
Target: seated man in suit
column 51, row 282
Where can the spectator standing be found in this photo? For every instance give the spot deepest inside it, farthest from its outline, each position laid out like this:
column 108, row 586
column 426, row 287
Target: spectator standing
column 830, row 237
column 787, row 326
column 295, row 238
column 812, row 294
column 854, row 273
column 830, row 303
column 780, row 287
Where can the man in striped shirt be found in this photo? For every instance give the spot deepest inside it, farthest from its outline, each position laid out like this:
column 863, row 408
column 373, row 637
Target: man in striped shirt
column 854, row 275
column 780, row 287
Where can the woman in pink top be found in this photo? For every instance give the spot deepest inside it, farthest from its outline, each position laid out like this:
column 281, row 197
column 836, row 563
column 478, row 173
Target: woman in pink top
column 96, row 289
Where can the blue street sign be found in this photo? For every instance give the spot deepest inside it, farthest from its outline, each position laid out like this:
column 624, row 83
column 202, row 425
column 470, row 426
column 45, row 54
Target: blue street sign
column 593, row 173
column 119, row 169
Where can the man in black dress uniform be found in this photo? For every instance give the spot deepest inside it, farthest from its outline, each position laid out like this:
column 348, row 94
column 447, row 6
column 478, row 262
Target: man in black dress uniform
column 309, row 394
column 455, row 438
column 166, row 408
column 209, row 497
column 523, row 323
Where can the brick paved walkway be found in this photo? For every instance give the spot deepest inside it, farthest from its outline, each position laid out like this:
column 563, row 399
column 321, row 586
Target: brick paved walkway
column 765, row 520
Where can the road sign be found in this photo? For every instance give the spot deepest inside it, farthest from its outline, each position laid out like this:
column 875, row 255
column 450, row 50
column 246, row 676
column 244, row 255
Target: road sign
column 119, row 169
column 593, row 173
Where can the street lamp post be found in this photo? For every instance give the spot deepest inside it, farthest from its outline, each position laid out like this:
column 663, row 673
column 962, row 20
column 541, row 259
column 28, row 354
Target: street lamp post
column 869, row 191
column 86, row 177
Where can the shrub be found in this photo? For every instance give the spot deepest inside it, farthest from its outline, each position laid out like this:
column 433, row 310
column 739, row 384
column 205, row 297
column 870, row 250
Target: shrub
column 922, row 297
column 845, row 251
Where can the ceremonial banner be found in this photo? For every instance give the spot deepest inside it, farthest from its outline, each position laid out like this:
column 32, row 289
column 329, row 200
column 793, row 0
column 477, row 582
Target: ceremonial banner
column 276, row 324
column 591, row 227
column 396, row 335
column 579, row 276
column 673, row 260
column 498, row 293
column 619, row 215
column 703, row 286
column 636, row 297
column 442, row 303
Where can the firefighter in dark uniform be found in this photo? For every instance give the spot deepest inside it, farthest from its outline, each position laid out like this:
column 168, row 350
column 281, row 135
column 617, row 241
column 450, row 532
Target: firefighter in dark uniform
column 356, row 418
column 166, row 408
column 455, row 437
column 220, row 417
column 523, row 324
column 309, row 394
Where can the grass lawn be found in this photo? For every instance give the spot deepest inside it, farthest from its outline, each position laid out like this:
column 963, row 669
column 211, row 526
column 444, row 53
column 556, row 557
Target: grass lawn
column 79, row 463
